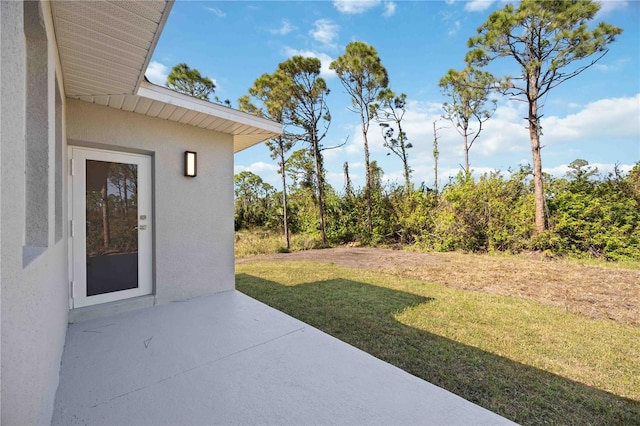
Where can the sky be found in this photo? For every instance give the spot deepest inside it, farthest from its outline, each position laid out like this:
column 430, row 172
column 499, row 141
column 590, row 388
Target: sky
column 594, row 116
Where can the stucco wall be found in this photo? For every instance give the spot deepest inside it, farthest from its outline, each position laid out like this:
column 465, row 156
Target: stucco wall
column 193, row 217
column 34, row 293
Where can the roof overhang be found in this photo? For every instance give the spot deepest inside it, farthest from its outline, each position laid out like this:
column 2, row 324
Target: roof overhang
column 160, row 102
column 105, row 48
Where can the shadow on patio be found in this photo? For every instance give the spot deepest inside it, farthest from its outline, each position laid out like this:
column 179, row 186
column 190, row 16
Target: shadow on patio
column 522, row 393
column 228, row 359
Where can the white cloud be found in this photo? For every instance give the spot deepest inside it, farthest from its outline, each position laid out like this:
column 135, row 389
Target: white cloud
column 454, row 28
column 157, row 73
column 262, row 167
column 504, row 132
column 354, row 148
column 503, row 142
column 267, row 171
column 603, row 169
column 557, row 171
column 611, row 66
column 325, row 60
column 449, row 2
column 478, row 5
column 219, row 13
column 607, row 6
column 325, row 31
column 337, row 180
column 389, row 9
column 604, row 119
column 332, row 154
column 285, row 28
column 354, row 7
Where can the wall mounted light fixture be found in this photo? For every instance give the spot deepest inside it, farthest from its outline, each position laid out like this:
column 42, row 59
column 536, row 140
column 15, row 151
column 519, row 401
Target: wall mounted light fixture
column 190, row 164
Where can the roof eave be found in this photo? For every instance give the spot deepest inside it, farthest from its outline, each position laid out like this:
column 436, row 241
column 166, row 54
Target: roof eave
column 154, row 43
column 262, row 129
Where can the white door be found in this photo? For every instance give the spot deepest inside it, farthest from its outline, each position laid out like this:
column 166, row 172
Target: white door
column 111, row 235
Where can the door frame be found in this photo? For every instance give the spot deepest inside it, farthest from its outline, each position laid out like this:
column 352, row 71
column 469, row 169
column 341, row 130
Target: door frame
column 77, row 211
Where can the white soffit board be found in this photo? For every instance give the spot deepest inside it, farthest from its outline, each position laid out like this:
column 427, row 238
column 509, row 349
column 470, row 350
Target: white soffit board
column 160, row 102
column 105, row 46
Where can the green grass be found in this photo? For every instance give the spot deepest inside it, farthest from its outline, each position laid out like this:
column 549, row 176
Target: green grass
column 255, row 242
column 529, row 362
column 620, row 264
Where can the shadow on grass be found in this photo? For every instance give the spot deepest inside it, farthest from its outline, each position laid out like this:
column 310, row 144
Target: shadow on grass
column 363, row 316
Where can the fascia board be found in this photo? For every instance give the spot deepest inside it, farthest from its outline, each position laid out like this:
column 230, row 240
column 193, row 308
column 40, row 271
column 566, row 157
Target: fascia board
column 162, row 94
column 154, row 42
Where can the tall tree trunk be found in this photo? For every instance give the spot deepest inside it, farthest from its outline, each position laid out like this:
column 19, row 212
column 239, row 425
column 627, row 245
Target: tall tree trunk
column 126, row 195
column 538, row 187
column 466, row 153
column 407, row 178
column 367, row 188
column 436, row 155
column 347, row 187
column 106, row 232
column 405, row 161
column 320, row 179
column 285, row 219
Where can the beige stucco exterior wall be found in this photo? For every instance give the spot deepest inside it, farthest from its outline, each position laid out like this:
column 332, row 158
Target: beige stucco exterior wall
column 193, row 217
column 34, row 290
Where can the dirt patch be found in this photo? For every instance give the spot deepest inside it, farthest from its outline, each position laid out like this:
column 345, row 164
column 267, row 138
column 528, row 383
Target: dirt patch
column 597, row 292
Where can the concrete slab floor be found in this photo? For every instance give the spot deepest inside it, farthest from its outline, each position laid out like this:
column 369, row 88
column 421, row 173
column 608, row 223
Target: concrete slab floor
column 229, row 359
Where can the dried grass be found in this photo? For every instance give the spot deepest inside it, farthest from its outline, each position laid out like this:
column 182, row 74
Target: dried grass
column 596, row 291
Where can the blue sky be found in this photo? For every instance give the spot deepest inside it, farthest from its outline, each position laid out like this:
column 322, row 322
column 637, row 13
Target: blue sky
column 595, row 116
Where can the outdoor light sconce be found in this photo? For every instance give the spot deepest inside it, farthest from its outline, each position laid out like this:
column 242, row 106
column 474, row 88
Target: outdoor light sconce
column 190, row 164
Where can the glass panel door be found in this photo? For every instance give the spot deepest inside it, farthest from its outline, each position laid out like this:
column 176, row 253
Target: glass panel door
column 111, row 226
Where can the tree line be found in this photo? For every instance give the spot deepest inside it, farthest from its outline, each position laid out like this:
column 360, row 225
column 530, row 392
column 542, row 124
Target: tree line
column 550, row 42
column 589, row 214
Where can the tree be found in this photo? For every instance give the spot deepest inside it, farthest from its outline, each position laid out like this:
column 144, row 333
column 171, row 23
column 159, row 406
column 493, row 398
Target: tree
column 363, row 76
column 545, row 38
column 301, row 170
column 252, row 199
column 189, row 81
column 272, row 91
column 580, row 170
column 469, row 92
column 391, row 110
column 310, row 113
column 436, row 155
column 348, row 188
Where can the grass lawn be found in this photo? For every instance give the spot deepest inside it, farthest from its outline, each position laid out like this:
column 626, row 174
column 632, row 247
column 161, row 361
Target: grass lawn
column 530, row 362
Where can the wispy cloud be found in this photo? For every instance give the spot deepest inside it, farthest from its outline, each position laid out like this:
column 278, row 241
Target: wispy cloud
column 325, row 32
column 389, row 9
column 603, row 169
column 269, row 172
column 455, row 27
column 478, row 5
column 285, row 28
column 607, row 6
column 157, row 73
column 354, row 7
column 218, row 12
column 615, row 66
column 325, row 60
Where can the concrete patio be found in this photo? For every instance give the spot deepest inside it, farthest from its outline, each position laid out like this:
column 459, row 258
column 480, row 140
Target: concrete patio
column 228, row 359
